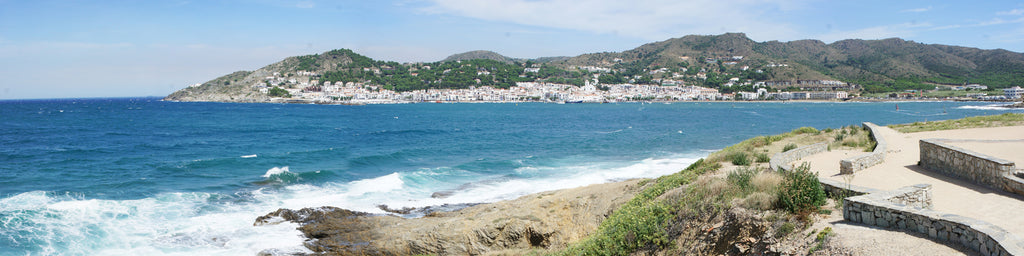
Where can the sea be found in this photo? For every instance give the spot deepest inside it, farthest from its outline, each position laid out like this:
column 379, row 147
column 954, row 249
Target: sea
column 141, row 176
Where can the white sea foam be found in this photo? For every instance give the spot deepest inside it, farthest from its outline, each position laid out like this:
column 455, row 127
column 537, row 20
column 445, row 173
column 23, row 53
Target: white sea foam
column 276, row 171
column 414, row 189
column 989, row 107
column 214, row 224
column 166, row 224
column 381, row 184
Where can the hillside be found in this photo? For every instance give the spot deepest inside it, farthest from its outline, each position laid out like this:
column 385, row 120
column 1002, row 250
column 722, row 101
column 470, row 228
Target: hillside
column 485, row 55
column 878, row 65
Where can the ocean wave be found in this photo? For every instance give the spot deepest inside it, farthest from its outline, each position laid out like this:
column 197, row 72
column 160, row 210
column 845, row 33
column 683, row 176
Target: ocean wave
column 990, row 107
column 44, row 223
column 455, row 186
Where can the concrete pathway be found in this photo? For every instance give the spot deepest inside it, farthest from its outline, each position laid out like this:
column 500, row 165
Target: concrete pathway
column 949, row 195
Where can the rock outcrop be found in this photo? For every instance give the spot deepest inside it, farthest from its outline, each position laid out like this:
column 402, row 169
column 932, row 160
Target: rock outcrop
column 549, row 220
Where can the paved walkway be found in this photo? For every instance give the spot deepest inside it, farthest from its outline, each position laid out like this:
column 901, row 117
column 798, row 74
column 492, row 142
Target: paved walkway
column 949, row 195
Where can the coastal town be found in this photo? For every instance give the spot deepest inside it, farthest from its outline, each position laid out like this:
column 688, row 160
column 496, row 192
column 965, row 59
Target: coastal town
column 304, row 88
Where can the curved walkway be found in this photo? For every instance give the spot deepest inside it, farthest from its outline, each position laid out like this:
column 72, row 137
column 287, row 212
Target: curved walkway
column 949, row 195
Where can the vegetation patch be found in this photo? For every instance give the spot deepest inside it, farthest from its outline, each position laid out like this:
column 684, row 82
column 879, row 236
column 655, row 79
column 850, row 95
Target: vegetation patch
column 1006, row 119
column 653, row 220
column 819, row 241
column 641, row 221
column 739, row 158
column 790, row 146
column 801, row 193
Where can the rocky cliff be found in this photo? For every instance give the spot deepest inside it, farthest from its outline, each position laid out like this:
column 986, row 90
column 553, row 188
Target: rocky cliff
column 548, row 220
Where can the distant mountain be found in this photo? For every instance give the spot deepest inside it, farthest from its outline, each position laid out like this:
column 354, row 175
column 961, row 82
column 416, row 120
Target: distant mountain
column 480, row 55
column 879, row 65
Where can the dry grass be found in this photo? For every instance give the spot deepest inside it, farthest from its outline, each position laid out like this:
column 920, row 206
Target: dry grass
column 766, row 181
column 1006, row 119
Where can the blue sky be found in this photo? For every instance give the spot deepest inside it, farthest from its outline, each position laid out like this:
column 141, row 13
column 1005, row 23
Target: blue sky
column 63, row 49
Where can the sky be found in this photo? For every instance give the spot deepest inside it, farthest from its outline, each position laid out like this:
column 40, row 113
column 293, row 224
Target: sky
column 126, row 48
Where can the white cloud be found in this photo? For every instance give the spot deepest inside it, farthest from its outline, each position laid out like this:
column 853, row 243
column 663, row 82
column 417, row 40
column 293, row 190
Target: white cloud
column 645, row 19
column 992, row 22
column 924, row 9
column 878, row 32
column 1014, row 12
column 305, row 4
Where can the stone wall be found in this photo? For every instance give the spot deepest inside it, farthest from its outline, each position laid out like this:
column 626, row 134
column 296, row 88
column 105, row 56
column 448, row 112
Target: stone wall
column 861, row 162
column 909, row 209
column 781, row 160
column 902, row 210
column 968, row 165
column 836, row 189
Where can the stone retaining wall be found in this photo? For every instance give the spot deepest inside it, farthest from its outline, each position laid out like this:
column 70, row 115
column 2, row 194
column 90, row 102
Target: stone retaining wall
column 901, row 210
column 968, row 165
column 861, row 162
column 836, row 189
column 781, row 160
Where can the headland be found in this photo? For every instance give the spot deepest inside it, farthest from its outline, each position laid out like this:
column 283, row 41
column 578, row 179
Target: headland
column 727, row 203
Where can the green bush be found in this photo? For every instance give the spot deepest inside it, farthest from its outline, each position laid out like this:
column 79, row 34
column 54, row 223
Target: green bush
column 763, row 158
column 739, row 158
column 741, row 177
column 840, row 137
column 827, row 130
column 800, row 192
column 640, row 223
column 806, row 129
column 789, row 147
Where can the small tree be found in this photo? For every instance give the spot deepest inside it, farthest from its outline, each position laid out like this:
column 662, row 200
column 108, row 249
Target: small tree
column 278, row 92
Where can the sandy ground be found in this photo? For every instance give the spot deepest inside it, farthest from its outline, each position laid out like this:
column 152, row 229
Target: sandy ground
column 1011, row 150
column 858, row 239
column 949, row 195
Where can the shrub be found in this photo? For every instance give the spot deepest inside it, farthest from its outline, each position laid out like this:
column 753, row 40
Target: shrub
column 840, row 137
column 789, row 147
column 827, row 130
column 742, row 177
column 806, row 129
column 739, row 158
column 785, row 229
column 800, row 191
column 640, row 223
column 763, row 158
column 871, row 146
column 854, row 130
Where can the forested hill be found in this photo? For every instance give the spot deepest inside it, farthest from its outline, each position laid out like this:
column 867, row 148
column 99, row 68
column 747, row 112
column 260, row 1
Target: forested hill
column 879, row 65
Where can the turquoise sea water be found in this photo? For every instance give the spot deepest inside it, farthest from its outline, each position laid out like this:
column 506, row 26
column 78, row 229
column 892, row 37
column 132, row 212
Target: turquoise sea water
column 145, row 177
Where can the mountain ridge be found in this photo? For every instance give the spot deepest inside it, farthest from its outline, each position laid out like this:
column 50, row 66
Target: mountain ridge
column 891, row 64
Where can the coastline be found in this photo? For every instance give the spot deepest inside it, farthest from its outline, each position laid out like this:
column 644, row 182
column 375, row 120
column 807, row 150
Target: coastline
column 310, row 102
column 548, row 222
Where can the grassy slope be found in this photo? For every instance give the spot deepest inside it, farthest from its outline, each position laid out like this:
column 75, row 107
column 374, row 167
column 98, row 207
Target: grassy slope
column 642, row 223
column 1007, row 119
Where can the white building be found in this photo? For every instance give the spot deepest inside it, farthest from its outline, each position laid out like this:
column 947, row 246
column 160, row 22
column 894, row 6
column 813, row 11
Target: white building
column 1013, row 92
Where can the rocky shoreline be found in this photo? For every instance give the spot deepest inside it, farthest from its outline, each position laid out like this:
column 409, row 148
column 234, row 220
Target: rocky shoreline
column 547, row 220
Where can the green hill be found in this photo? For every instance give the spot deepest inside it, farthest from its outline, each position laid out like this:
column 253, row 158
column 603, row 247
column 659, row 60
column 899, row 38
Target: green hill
column 879, row 65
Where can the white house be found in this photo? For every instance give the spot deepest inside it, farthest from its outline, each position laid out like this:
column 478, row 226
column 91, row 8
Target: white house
column 1013, row 92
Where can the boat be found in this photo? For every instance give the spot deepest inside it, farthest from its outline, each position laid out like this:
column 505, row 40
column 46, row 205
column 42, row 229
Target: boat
column 574, row 101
